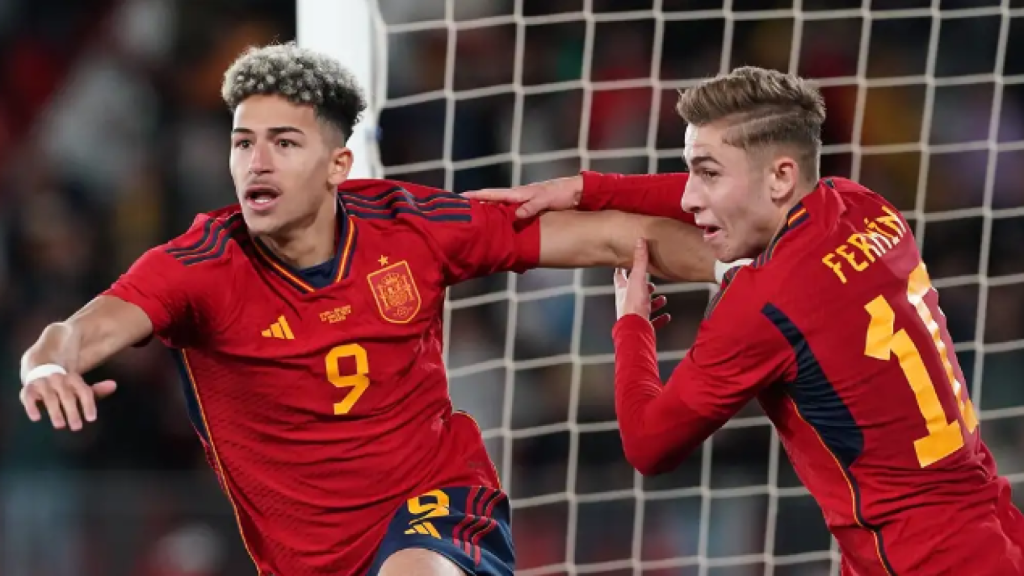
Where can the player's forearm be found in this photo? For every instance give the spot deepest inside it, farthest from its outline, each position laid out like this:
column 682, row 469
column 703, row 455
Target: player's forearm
column 99, row 330
column 648, row 194
column 579, row 240
column 582, row 240
column 658, row 431
column 676, row 250
column 58, row 344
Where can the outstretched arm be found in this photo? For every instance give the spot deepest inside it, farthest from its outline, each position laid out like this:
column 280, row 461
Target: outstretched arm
column 153, row 297
column 648, row 194
column 51, row 369
column 586, row 239
column 481, row 238
column 102, row 328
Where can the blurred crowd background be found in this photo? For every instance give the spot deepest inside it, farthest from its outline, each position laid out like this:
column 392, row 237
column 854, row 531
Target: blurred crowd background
column 112, row 137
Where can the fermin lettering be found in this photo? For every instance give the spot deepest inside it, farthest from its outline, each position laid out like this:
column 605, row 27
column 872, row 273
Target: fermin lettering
column 864, row 247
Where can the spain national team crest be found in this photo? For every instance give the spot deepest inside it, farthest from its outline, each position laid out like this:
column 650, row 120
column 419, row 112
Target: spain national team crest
column 395, row 291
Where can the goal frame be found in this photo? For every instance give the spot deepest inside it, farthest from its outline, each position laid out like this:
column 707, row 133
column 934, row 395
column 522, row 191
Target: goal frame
column 318, row 28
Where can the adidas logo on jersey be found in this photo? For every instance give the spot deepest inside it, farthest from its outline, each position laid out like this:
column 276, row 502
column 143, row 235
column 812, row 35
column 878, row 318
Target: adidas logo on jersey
column 279, row 330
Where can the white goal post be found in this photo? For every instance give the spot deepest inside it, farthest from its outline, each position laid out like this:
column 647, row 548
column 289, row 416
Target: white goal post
column 346, row 30
column 926, row 105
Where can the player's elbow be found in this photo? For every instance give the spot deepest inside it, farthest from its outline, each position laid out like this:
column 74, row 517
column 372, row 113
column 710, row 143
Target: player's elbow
column 645, row 458
column 648, row 465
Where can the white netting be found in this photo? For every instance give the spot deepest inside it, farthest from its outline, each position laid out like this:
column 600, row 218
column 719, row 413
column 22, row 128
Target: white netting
column 926, row 105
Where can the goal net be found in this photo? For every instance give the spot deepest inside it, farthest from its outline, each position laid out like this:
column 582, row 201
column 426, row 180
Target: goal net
column 926, row 106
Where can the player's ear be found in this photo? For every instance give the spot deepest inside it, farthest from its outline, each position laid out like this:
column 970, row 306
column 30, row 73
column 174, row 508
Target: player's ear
column 783, row 176
column 339, row 166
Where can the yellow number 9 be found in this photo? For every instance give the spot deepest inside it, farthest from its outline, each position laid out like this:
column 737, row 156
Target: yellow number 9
column 358, row 382
column 424, row 510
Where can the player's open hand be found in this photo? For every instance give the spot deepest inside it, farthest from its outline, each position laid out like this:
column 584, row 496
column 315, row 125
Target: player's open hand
column 557, row 194
column 633, row 291
column 66, row 398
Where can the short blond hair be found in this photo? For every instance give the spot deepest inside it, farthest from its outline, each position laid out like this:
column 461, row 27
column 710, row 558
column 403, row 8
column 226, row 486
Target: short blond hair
column 300, row 75
column 765, row 109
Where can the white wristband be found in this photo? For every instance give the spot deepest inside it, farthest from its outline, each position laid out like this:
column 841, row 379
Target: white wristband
column 42, row 371
column 722, row 267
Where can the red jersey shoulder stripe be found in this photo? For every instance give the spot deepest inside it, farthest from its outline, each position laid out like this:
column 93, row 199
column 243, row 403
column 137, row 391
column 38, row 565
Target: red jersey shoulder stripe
column 211, row 245
column 389, row 204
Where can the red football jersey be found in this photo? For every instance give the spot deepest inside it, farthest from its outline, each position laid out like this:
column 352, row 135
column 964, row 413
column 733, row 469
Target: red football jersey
column 323, row 409
column 836, row 330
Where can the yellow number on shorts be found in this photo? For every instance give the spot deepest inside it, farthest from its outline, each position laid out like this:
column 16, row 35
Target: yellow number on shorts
column 428, row 509
column 422, row 510
column 943, row 437
column 358, row 382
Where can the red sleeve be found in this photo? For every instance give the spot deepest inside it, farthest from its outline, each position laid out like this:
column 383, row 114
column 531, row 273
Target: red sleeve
column 492, row 240
column 648, row 194
column 162, row 287
column 737, row 353
column 474, row 238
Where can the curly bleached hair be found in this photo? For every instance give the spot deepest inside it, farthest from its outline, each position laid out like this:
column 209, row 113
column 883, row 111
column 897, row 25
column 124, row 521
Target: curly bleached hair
column 300, row 75
column 762, row 109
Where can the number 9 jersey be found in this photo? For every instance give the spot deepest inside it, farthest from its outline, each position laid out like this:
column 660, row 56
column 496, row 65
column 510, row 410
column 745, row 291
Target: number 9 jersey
column 320, row 395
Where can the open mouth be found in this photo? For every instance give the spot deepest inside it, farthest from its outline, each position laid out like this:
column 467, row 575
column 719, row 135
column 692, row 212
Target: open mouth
column 261, row 196
column 710, row 231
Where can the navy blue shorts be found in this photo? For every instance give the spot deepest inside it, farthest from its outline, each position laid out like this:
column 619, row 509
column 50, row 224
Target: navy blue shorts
column 467, row 524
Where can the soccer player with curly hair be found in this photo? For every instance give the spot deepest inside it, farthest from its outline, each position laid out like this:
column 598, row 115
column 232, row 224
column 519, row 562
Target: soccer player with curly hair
column 307, row 323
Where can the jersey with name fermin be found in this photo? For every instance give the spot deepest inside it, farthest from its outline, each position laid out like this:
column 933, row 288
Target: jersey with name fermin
column 320, row 396
column 844, row 340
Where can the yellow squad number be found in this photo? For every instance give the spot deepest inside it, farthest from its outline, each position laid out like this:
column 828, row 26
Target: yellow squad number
column 882, row 342
column 358, row 381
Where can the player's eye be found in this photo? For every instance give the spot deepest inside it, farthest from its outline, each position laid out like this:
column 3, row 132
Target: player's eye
column 285, row 143
column 708, row 174
column 242, row 144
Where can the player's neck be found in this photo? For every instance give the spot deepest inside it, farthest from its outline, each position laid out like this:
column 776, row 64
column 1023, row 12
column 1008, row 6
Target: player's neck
column 309, row 243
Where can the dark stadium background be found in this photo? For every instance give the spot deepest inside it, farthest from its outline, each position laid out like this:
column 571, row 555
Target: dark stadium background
column 112, row 136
